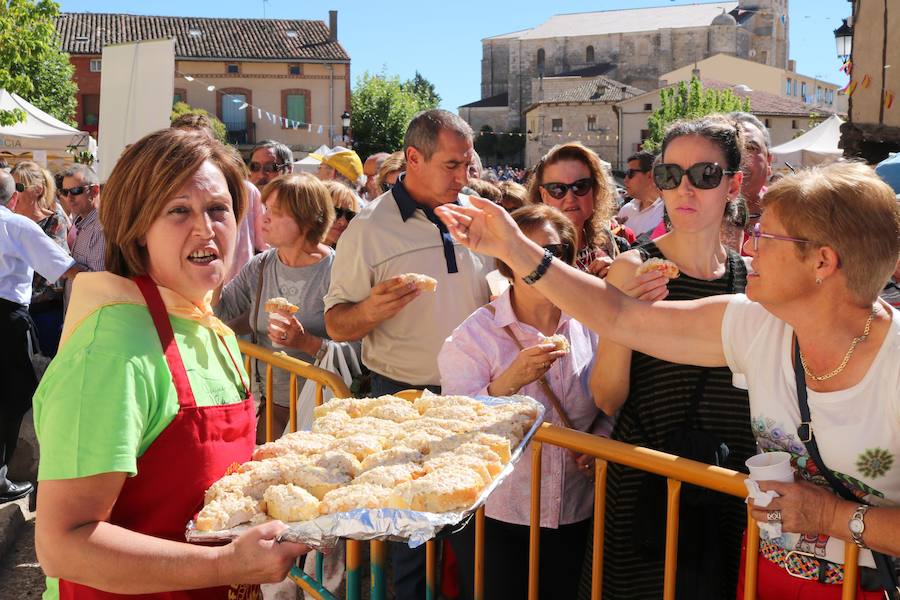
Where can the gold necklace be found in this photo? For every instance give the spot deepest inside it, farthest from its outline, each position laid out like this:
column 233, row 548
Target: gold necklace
column 847, row 356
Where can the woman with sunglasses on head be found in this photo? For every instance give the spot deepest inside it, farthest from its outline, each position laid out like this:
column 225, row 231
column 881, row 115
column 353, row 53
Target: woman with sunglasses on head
column 36, row 199
column 501, row 350
column 820, row 353
column 346, row 206
column 571, row 178
column 697, row 178
column 298, row 215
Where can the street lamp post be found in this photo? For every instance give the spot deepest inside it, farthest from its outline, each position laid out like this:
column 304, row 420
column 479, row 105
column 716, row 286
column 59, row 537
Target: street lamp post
column 345, row 126
column 843, row 40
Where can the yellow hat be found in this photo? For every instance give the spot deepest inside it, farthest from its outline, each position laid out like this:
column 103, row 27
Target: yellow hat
column 344, row 161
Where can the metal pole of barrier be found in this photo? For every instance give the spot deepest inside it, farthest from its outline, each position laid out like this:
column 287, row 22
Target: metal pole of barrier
column 430, row 570
column 672, row 502
column 320, row 398
column 751, row 564
column 353, row 581
column 308, row 584
column 599, row 528
column 377, row 561
column 293, row 402
column 269, row 402
column 534, row 534
column 479, row 554
column 851, row 571
column 320, row 567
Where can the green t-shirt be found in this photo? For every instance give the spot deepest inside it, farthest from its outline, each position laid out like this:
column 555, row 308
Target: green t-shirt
column 109, row 393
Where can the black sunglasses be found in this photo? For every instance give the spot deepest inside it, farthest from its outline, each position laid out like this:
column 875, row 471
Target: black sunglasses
column 344, row 212
column 255, row 167
column 561, row 251
column 20, row 187
column 559, row 190
column 703, row 175
column 386, row 187
column 632, row 172
column 75, row 191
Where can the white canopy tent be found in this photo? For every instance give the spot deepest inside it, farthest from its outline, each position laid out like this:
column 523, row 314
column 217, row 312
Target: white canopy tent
column 40, row 137
column 817, row 146
column 310, row 165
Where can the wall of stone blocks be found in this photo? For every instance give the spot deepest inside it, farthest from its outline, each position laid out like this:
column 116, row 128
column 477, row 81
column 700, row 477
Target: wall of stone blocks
column 604, row 141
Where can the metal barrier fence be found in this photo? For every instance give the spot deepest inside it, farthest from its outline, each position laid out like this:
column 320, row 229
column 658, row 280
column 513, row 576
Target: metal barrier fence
column 675, row 469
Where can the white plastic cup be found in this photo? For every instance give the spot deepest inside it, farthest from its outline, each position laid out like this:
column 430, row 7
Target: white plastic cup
column 771, row 466
column 274, row 316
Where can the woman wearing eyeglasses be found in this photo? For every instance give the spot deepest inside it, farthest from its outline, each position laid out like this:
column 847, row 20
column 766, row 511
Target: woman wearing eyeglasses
column 346, row 206
column 820, row 352
column 655, row 399
column 390, row 170
column 299, row 214
column 36, row 199
column 571, row 178
column 501, row 350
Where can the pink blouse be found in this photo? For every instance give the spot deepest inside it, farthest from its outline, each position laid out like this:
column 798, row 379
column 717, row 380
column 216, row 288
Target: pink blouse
column 475, row 354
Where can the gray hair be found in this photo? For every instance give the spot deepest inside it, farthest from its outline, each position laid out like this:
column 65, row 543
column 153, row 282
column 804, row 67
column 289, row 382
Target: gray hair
column 7, row 187
column 87, row 173
column 423, row 130
column 745, row 118
column 283, row 154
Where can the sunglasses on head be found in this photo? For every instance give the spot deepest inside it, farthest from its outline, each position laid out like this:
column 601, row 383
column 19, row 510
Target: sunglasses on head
column 343, row 212
column 561, row 251
column 255, row 167
column 703, row 175
column 385, row 186
column 632, row 172
column 20, row 187
column 559, row 190
column 75, row 191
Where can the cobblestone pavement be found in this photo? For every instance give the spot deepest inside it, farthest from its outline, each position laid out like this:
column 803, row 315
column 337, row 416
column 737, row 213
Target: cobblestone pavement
column 21, row 577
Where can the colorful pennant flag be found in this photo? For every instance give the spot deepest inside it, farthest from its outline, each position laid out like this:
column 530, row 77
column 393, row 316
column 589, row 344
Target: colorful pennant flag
column 866, row 80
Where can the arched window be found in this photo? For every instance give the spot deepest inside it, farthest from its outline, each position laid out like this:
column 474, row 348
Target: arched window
column 540, row 59
column 589, row 55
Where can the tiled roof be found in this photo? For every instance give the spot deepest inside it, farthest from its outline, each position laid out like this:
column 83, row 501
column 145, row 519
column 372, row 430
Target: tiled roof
column 236, row 39
column 598, row 89
column 625, row 21
column 489, row 102
column 764, row 103
column 591, row 71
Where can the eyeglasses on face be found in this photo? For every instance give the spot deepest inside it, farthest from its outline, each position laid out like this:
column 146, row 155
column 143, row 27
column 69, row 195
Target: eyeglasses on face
column 756, row 233
column 558, row 191
column 386, row 187
column 267, row 168
column 561, row 251
column 703, row 175
column 74, row 191
column 340, row 213
column 632, row 172
column 20, row 187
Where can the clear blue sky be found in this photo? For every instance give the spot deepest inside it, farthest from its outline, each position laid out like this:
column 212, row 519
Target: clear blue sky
column 443, row 40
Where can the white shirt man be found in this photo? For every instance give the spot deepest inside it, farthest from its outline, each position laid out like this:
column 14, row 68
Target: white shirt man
column 645, row 211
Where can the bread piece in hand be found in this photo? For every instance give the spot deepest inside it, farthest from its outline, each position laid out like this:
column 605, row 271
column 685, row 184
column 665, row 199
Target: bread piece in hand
column 667, row 267
column 355, row 495
column 227, row 511
column 280, row 304
column 287, row 502
column 423, row 282
column 558, row 340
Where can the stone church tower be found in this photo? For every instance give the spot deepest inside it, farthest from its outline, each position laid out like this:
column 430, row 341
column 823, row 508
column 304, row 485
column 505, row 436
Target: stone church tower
column 768, row 25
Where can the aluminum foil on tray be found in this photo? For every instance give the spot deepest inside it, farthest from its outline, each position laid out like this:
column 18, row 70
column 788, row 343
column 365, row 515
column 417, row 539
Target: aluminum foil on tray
column 390, row 524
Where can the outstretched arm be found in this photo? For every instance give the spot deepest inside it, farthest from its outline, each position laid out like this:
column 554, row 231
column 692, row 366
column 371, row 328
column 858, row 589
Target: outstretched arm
column 681, row 332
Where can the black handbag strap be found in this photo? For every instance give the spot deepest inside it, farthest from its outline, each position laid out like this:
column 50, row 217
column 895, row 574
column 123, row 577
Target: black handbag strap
column 883, row 563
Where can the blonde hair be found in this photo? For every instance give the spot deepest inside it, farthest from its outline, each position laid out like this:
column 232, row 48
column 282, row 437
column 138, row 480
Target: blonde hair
column 848, row 208
column 393, row 163
column 595, row 226
column 148, row 174
column 31, row 174
column 342, row 196
column 515, row 192
column 307, row 200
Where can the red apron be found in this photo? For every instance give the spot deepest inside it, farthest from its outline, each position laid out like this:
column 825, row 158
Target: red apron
column 173, row 474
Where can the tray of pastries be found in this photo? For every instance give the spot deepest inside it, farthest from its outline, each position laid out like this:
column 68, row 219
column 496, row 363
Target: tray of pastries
column 374, row 468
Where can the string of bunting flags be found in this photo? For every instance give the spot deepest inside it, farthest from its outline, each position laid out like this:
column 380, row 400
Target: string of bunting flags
column 270, row 116
column 854, row 84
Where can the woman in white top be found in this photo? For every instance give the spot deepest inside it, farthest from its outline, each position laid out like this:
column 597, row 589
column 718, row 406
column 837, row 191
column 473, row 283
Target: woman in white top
column 828, row 240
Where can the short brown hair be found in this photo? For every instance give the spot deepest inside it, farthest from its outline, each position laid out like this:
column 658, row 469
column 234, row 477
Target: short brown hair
column 342, row 196
column 148, row 174
column 486, row 190
column 594, row 227
column 30, row 173
column 530, row 217
column 307, row 200
column 513, row 192
column 848, row 208
column 425, row 127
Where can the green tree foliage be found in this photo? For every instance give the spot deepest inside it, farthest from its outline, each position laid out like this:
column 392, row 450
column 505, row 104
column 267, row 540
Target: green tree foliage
column 688, row 101
column 383, row 106
column 31, row 62
column 183, row 108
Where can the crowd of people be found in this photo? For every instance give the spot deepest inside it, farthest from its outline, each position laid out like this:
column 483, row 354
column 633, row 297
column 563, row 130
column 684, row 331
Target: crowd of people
column 139, row 297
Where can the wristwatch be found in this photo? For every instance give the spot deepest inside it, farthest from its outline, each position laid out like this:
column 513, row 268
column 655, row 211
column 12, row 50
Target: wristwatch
column 857, row 525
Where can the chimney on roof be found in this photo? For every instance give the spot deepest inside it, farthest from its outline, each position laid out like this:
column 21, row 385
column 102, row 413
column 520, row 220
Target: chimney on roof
column 332, row 26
